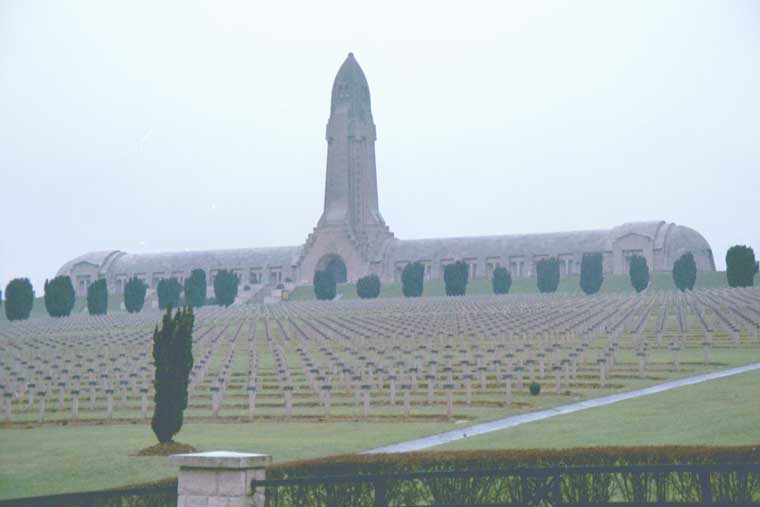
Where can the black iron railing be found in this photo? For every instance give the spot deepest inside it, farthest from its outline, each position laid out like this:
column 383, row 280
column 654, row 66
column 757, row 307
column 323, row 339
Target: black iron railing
column 165, row 496
column 713, row 485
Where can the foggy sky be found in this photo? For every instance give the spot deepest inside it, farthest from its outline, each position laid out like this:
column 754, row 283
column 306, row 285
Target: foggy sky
column 162, row 126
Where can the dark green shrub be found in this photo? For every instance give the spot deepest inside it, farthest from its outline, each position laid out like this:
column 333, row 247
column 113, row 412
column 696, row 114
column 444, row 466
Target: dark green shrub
column 169, row 291
column 59, row 296
column 501, row 281
column 173, row 359
column 638, row 272
column 19, row 299
column 195, row 288
column 134, row 294
column 368, row 287
column 535, row 388
column 413, row 280
column 325, row 287
column 685, row 272
column 547, row 274
column 741, row 266
column 592, row 273
column 455, row 278
column 226, row 287
column 97, row 297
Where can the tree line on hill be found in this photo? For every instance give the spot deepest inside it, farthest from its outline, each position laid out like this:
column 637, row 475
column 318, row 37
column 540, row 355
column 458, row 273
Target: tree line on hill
column 60, row 297
column 741, row 268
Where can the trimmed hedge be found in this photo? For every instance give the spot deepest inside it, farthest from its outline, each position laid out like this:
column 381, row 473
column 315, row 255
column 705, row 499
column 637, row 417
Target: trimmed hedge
column 413, row 280
column 169, row 291
column 97, row 297
column 19, row 299
column 732, row 488
column 547, row 275
column 368, row 287
column 226, row 287
column 325, row 288
column 501, row 281
column 59, row 296
column 455, row 277
column 134, row 294
column 685, row 272
column 592, row 273
column 435, row 461
column 195, row 288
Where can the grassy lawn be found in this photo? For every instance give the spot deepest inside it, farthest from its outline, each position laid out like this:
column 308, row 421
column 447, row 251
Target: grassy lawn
column 718, row 412
column 58, row 459
column 568, row 284
column 55, row 459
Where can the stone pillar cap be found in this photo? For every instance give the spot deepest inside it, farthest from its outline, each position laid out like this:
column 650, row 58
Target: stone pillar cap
column 227, row 460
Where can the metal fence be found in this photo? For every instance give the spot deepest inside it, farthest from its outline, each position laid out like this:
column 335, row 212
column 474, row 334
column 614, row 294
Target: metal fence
column 165, row 496
column 735, row 485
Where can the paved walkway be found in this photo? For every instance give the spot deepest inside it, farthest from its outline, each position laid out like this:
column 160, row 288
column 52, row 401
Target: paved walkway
column 516, row 420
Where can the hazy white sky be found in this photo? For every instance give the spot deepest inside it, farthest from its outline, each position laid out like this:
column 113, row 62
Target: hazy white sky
column 160, row 126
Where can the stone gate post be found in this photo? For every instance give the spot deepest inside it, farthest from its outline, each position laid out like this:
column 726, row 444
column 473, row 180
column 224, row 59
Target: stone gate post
column 219, row 478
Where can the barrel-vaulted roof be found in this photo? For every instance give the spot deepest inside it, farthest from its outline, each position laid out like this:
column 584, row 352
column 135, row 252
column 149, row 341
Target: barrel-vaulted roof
column 209, row 259
column 116, row 262
column 493, row 246
column 98, row 260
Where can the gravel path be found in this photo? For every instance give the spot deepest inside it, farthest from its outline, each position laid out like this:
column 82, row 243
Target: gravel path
column 516, row 420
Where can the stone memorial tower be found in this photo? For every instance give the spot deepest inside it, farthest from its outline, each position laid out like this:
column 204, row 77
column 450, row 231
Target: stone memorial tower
column 351, row 239
column 351, row 232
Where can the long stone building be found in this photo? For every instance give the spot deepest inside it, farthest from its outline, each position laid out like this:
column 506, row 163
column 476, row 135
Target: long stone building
column 352, row 239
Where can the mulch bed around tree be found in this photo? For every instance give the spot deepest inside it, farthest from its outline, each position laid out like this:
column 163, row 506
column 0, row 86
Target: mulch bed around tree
column 166, row 449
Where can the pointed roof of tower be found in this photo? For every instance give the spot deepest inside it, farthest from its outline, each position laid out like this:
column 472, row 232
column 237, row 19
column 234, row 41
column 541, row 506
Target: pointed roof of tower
column 350, row 88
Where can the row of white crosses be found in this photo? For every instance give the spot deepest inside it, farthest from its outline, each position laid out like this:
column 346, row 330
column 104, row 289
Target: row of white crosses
column 58, row 360
column 105, row 360
column 380, row 371
column 363, row 353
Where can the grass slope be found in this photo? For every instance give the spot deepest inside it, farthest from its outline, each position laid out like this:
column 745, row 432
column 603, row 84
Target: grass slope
column 718, row 412
column 56, row 459
column 568, row 285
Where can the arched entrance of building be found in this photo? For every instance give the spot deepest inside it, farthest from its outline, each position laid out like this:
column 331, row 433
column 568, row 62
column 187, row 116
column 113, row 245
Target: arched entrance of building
column 334, row 264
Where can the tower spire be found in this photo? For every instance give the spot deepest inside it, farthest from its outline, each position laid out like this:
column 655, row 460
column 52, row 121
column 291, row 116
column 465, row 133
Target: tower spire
column 351, row 184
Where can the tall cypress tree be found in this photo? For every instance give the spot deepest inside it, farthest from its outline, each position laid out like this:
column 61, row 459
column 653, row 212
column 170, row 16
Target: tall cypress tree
column 638, row 272
column 741, row 266
column 413, row 280
column 173, row 359
column 592, row 273
column 134, row 294
column 169, row 291
column 502, row 281
column 97, row 297
column 455, row 278
column 547, row 274
column 685, row 272
column 226, row 287
column 195, row 288
column 59, row 296
column 325, row 287
column 19, row 299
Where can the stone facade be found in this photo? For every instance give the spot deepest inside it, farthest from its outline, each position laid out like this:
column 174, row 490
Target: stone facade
column 352, row 232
